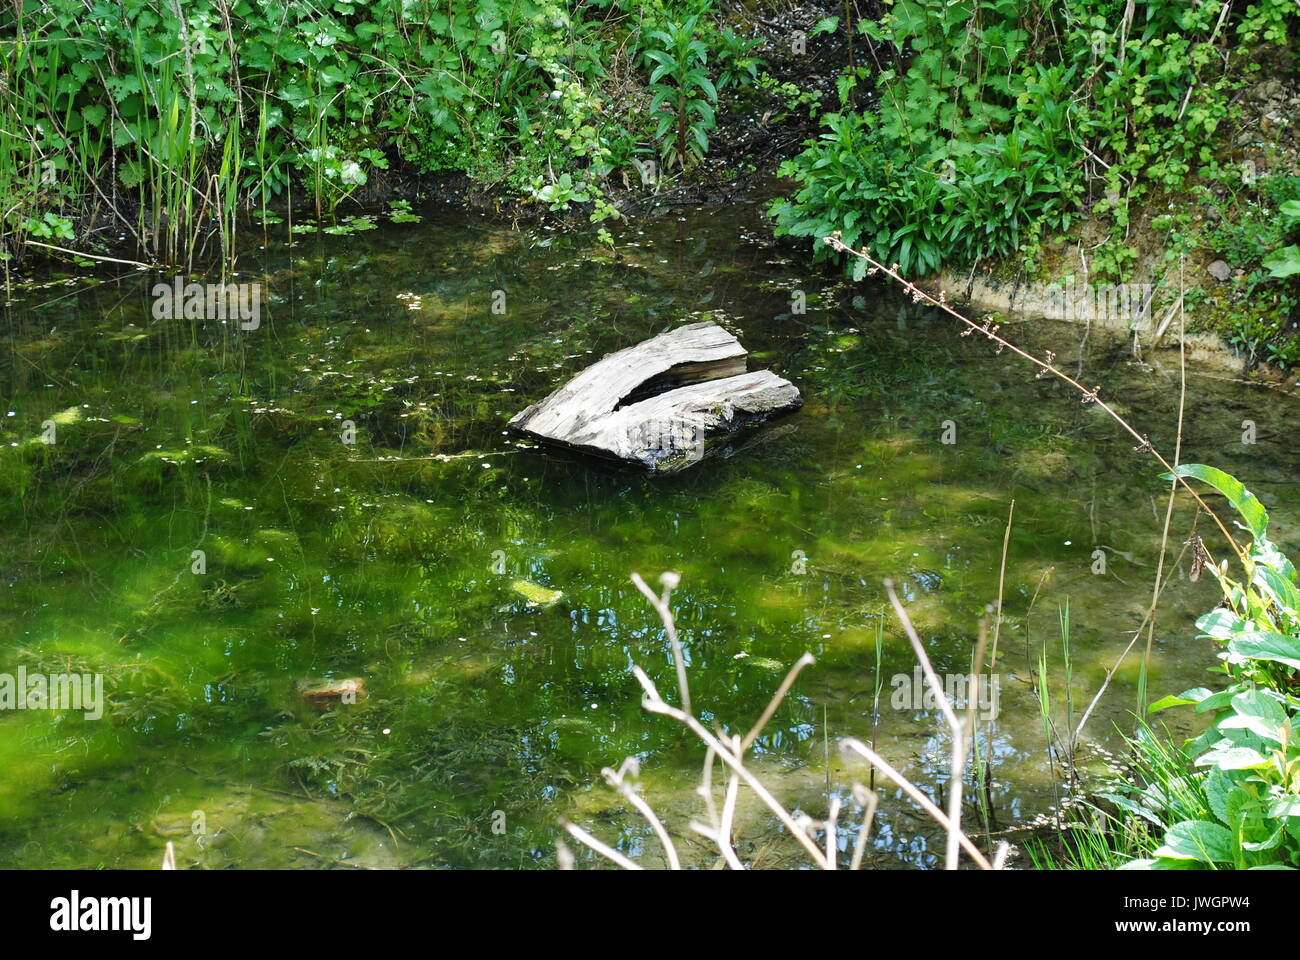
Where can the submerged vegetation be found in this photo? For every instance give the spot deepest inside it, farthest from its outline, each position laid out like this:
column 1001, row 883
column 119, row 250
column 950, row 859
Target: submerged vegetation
column 240, row 525
column 1231, row 796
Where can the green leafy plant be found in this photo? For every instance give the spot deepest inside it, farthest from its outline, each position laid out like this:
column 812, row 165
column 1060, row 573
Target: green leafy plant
column 1060, row 114
column 49, row 226
column 1285, row 261
column 684, row 97
column 399, row 211
column 736, row 64
column 1255, row 229
column 1247, row 764
column 176, row 119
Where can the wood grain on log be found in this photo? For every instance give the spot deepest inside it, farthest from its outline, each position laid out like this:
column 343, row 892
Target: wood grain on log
column 660, row 403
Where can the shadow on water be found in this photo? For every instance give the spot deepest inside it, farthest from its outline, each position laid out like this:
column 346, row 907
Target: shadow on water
column 186, row 445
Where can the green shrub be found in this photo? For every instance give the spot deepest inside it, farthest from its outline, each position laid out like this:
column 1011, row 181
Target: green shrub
column 1008, row 119
column 189, row 112
column 1234, row 800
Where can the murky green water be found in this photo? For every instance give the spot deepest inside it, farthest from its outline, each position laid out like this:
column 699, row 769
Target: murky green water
column 488, row 719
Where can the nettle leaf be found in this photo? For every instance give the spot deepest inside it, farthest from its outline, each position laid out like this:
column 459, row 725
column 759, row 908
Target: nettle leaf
column 1235, row 757
column 1261, row 645
column 1198, row 840
column 1258, row 712
column 1218, row 787
column 1220, row 623
column 1293, row 827
column 1195, row 695
column 1243, row 806
column 1242, row 500
column 909, row 21
column 825, row 25
column 1271, row 841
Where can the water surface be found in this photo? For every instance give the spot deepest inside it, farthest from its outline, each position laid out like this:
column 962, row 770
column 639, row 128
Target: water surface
column 487, row 718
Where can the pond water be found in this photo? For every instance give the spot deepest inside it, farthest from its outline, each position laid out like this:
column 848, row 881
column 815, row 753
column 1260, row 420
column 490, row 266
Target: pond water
column 488, row 718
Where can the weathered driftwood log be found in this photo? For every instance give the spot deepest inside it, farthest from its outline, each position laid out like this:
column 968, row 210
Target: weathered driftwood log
column 663, row 402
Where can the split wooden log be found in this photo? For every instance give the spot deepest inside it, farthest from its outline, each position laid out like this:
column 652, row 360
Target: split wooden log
column 662, row 403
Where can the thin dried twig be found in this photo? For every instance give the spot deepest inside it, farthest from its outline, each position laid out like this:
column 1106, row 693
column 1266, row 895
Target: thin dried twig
column 729, row 813
column 925, row 803
column 870, row 800
column 669, row 581
column 608, row 852
column 960, row 728
column 729, row 749
column 775, row 702
column 831, row 833
column 620, row 780
column 656, row 704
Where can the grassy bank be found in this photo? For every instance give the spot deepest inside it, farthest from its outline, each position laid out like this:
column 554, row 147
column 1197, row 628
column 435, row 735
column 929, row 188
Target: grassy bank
column 1089, row 140
column 167, row 125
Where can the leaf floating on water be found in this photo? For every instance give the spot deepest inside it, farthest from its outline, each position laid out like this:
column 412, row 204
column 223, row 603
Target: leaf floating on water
column 577, row 723
column 198, row 453
column 65, row 418
column 535, row 593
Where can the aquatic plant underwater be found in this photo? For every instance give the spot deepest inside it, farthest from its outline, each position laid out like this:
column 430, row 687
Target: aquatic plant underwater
column 350, row 626
column 1229, row 798
column 476, row 585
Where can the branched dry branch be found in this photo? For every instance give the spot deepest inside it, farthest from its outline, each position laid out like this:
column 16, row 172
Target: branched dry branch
column 622, row 781
column 925, row 803
column 730, row 749
column 670, row 581
column 961, row 729
column 608, row 852
column 656, row 704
